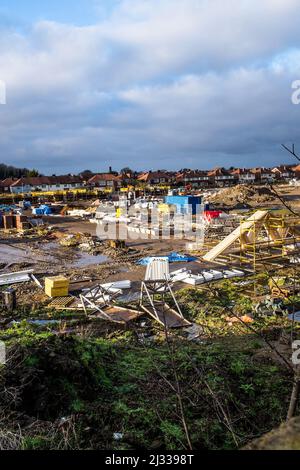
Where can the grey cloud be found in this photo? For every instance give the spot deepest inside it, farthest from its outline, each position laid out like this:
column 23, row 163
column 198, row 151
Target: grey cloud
column 156, row 84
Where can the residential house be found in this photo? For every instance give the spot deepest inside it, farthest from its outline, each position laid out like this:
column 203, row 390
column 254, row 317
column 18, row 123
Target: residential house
column 156, row 177
column 6, row 184
column 263, row 175
column 296, row 170
column 284, row 172
column 105, row 181
column 46, row 183
column 242, row 175
column 221, row 177
column 194, row 178
column 127, row 178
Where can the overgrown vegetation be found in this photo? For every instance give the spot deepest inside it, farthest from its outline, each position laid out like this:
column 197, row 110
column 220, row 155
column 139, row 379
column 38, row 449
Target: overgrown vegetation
column 76, row 392
column 100, row 387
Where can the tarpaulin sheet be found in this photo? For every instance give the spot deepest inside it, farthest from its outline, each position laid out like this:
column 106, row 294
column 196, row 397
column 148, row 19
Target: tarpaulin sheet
column 173, row 258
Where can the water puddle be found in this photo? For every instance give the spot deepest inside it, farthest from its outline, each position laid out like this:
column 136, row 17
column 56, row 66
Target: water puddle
column 73, row 257
column 86, row 259
column 36, row 322
column 11, row 255
column 51, row 253
column 43, row 322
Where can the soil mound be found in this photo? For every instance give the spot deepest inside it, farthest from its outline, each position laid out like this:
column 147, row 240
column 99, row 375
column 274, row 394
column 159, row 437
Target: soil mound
column 242, row 194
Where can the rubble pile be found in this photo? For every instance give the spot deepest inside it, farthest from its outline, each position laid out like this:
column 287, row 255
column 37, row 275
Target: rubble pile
column 84, row 241
column 93, row 245
column 249, row 195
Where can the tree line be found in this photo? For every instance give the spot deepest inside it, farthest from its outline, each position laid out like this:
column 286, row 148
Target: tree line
column 9, row 171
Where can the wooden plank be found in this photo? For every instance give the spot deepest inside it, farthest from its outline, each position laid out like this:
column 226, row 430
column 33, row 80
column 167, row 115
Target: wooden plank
column 122, row 314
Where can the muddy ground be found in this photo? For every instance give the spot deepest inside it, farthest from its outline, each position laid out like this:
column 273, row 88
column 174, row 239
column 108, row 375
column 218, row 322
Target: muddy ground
column 42, row 252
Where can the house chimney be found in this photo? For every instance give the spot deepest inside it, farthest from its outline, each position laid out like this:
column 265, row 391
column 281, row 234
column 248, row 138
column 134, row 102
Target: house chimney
column 110, row 169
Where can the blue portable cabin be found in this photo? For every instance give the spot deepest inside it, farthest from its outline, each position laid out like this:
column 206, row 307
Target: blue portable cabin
column 185, row 204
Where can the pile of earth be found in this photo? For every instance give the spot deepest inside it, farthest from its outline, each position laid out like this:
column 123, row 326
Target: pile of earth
column 84, row 241
column 248, row 195
column 93, row 245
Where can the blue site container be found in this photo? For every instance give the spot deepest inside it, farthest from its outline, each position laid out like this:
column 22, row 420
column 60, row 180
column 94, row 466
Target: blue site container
column 185, row 204
column 183, row 200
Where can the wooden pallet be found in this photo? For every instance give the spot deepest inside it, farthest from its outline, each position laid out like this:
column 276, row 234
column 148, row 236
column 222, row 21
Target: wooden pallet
column 60, row 303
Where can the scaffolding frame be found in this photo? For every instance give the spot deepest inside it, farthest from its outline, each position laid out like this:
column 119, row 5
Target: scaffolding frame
column 153, row 301
column 270, row 241
column 98, row 298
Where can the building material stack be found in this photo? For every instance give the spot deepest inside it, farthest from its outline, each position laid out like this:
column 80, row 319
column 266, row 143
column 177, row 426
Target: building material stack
column 21, row 222
column 57, row 286
column 8, row 222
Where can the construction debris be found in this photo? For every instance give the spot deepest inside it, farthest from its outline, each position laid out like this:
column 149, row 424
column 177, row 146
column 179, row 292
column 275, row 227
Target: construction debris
column 99, row 300
column 154, row 288
column 243, row 319
column 15, row 278
column 172, row 258
column 9, row 299
column 71, row 239
column 207, row 276
column 61, row 303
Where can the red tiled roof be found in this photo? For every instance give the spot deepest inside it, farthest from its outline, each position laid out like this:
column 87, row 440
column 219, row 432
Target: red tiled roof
column 218, row 172
column 48, row 180
column 154, row 175
column 7, row 182
column 261, row 170
column 65, row 179
column 240, row 171
column 31, row 181
column 282, row 169
column 143, row 177
column 103, row 177
column 191, row 174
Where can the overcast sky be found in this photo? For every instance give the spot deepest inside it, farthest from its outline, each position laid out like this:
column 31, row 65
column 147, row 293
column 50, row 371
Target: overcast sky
column 148, row 83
